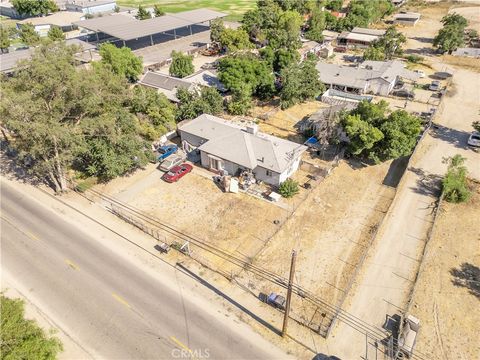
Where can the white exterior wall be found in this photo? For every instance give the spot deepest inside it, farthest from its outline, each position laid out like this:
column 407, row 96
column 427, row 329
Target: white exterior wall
column 42, row 30
column 380, row 87
column 94, row 9
column 191, row 139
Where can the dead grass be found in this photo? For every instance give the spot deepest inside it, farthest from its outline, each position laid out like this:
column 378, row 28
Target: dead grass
column 465, row 62
column 450, row 323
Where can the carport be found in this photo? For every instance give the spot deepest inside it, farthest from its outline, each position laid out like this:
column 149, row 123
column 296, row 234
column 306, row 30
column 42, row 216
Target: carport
column 126, row 31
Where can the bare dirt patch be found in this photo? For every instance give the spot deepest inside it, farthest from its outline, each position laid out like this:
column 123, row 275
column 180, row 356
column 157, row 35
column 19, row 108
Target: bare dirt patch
column 448, row 290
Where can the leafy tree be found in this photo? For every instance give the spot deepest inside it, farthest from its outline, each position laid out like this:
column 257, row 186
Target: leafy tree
column 289, row 188
column 362, row 13
column 284, row 58
column 335, row 5
column 155, row 112
column 122, row 61
column 22, row 338
column 56, row 34
column 260, row 20
column 454, row 19
column 241, row 101
column 28, row 35
column 400, row 132
column 143, row 14
column 372, row 113
column 476, row 126
column 116, row 9
column 194, row 103
column 4, row 38
column 330, row 21
column 362, row 135
column 454, row 184
column 216, row 29
column 387, row 46
column 234, row 39
column 239, row 70
column 316, row 25
column 449, row 38
column 34, row 7
column 54, row 112
column 286, row 33
column 300, row 83
column 182, row 64
column 158, row 11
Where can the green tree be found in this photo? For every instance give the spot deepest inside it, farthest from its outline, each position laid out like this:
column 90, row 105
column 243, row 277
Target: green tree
column 455, row 183
column 216, row 29
column 182, row 64
column 56, row 34
column 122, row 61
column 233, row 40
column 372, row 113
column 158, row 11
column 194, row 103
column 362, row 135
column 455, row 20
column 300, row 83
column 241, row 101
column 316, row 25
column 155, row 112
column 34, row 7
column 335, row 5
column 246, row 69
column 449, row 38
column 289, row 188
column 387, row 46
column 28, row 35
column 362, row 13
column 400, row 132
column 142, row 13
column 4, row 38
column 285, row 58
column 286, row 33
column 22, row 338
column 374, row 53
column 476, row 126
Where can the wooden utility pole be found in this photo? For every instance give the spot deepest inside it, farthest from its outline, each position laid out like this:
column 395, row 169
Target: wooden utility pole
column 289, row 293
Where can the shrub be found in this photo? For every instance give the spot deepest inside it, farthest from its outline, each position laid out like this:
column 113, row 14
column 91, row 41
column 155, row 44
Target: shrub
column 414, row 58
column 288, row 188
column 454, row 184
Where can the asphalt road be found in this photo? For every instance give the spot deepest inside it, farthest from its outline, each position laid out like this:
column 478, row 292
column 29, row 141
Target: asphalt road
column 106, row 304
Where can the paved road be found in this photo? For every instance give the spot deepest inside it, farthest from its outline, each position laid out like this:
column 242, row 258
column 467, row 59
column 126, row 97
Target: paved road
column 109, row 306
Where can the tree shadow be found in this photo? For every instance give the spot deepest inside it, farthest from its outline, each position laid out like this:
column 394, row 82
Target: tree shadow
column 467, row 276
column 427, row 184
column 13, row 170
column 423, row 39
column 395, row 171
column 455, row 137
column 420, row 51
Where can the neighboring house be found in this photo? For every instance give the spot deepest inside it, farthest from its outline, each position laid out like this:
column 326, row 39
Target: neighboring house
column 359, row 37
column 323, row 117
column 371, row 77
column 91, row 6
column 406, row 18
column 329, row 35
column 223, row 146
column 62, row 19
column 336, row 97
column 470, row 52
column 169, row 85
column 309, row 47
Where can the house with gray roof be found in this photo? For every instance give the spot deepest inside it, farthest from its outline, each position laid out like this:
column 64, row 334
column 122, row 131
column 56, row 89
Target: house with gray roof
column 371, row 77
column 225, row 146
column 406, row 18
column 359, row 37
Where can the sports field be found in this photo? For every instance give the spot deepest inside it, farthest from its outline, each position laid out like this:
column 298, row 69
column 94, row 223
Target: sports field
column 235, row 8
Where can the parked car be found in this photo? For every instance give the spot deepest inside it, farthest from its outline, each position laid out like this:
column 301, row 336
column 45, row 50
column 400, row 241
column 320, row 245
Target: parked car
column 474, row 139
column 166, row 151
column 177, row 172
column 434, row 86
column 172, row 161
column 420, row 72
column 404, row 93
column 275, row 300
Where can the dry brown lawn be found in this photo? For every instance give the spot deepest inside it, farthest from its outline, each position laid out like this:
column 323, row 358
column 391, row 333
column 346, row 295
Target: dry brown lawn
column 447, row 303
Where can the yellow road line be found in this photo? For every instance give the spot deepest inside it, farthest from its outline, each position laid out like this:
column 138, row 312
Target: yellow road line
column 26, row 233
column 120, row 300
column 71, row 264
column 182, row 345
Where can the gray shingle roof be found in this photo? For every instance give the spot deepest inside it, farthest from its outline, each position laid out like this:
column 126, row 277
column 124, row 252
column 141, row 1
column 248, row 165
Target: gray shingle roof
column 233, row 143
column 165, row 84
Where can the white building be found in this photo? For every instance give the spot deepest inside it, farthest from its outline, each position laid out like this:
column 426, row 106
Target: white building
column 62, row 19
column 406, row 18
column 91, row 6
column 222, row 145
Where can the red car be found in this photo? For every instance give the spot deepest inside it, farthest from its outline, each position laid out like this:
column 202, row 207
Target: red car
column 177, row 172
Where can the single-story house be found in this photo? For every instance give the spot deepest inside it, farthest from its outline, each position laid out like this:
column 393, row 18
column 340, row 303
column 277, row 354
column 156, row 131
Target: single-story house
column 330, row 35
column 336, row 97
column 371, row 77
column 470, row 52
column 359, row 37
column 62, row 19
column 169, row 85
column 406, row 18
column 223, row 146
column 91, row 6
column 309, row 47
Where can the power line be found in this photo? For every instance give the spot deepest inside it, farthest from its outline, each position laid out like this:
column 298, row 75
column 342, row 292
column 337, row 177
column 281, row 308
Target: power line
column 371, row 331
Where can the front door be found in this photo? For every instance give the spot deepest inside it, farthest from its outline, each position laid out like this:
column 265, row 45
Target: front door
column 216, row 164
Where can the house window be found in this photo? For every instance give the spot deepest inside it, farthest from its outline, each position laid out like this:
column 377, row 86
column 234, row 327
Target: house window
column 269, row 173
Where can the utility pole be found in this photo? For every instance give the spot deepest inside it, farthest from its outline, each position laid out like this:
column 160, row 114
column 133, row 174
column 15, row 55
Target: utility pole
column 289, row 293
